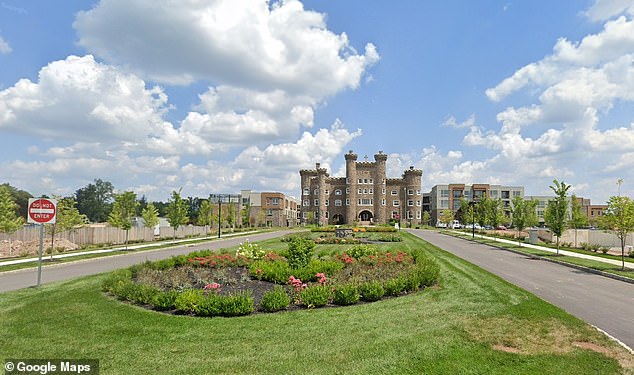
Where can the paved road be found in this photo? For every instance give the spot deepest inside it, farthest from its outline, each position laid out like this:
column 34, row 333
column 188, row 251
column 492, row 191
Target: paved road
column 600, row 301
column 13, row 280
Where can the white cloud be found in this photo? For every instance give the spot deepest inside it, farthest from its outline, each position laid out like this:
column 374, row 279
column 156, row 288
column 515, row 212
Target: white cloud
column 252, row 44
column 5, row 48
column 452, row 123
column 605, row 9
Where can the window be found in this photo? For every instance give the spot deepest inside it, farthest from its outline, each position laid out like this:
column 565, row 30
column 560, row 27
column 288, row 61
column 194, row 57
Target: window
column 347, row 190
column 410, row 215
column 418, row 215
column 456, row 194
column 306, row 191
column 494, row 194
column 444, row 203
column 505, row 194
column 365, row 202
column 371, row 181
column 417, row 191
column 410, row 191
column 410, row 203
column 516, row 193
column 418, row 204
column 394, row 192
column 394, row 215
column 327, row 216
column 304, row 215
column 383, row 202
column 326, row 202
column 360, row 180
column 365, row 191
column 444, row 193
column 365, row 180
column 338, row 192
column 347, row 201
column 383, row 191
column 269, row 212
column 396, row 203
column 338, row 202
column 316, row 202
column 276, row 201
column 360, row 191
column 327, row 191
column 370, row 191
column 306, row 202
column 316, row 191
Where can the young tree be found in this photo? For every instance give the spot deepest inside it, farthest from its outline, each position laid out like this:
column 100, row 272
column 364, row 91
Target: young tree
column 494, row 212
column 10, row 222
column 150, row 216
column 68, row 218
column 426, row 217
column 481, row 211
column 244, row 214
column 94, row 200
column 578, row 219
column 468, row 211
column 177, row 211
column 618, row 218
column 524, row 214
column 556, row 214
column 446, row 217
column 123, row 211
column 206, row 214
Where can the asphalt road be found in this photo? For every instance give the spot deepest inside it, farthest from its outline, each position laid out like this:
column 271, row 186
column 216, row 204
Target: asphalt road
column 13, row 280
column 603, row 302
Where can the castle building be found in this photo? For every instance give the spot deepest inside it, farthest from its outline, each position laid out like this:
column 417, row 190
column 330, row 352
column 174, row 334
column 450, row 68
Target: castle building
column 364, row 196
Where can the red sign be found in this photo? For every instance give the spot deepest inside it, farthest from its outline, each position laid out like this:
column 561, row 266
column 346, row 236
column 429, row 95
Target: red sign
column 42, row 211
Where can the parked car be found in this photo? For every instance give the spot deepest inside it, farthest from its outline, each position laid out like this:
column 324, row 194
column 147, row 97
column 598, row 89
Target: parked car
column 440, row 224
column 501, row 227
column 471, row 226
column 455, row 224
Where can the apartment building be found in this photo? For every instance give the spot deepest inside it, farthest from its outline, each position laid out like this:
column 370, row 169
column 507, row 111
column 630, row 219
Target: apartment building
column 272, row 209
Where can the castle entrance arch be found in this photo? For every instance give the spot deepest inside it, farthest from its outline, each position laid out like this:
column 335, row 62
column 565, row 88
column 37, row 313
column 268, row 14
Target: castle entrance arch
column 338, row 219
column 365, row 216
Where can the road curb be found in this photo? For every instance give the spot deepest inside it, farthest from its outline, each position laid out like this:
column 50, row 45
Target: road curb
column 570, row 265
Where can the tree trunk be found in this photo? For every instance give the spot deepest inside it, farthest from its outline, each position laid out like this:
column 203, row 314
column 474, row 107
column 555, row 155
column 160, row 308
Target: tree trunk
column 126, row 238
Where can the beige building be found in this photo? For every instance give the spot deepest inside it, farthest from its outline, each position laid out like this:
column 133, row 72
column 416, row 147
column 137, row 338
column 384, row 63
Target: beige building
column 364, row 196
column 271, row 209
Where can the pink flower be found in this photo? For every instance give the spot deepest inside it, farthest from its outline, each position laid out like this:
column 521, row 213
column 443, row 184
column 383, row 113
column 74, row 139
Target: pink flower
column 214, row 286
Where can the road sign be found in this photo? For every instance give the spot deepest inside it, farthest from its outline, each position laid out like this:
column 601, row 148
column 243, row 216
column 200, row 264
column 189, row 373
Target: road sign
column 42, row 211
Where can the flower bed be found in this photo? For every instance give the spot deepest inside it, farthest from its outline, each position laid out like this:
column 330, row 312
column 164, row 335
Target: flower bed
column 213, row 284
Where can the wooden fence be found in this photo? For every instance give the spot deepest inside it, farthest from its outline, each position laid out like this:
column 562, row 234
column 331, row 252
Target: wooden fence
column 91, row 235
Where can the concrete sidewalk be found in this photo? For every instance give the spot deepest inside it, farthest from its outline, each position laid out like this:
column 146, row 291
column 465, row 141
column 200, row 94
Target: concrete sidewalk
column 548, row 249
column 122, row 248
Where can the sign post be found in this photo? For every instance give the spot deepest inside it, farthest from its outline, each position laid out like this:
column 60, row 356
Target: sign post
column 41, row 211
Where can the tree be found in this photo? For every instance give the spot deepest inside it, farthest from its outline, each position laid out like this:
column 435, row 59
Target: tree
column 123, row 211
column 68, row 218
column 150, row 216
column 426, row 217
column 481, row 211
column 556, row 214
column 94, row 200
column 10, row 222
column 467, row 211
column 578, row 219
column 206, row 214
column 524, row 215
column 618, row 218
column 446, row 217
column 245, row 213
column 21, row 198
column 494, row 212
column 177, row 211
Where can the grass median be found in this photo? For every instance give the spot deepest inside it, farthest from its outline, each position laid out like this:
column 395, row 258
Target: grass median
column 472, row 323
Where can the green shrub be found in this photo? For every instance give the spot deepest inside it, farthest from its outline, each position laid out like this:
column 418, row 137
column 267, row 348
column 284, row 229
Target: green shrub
column 315, row 296
column 210, row 305
column 275, row 272
column 189, row 300
column 251, row 250
column 113, row 278
column 371, row 291
column 275, row 300
column 345, row 294
column 359, row 251
column 144, row 294
column 237, row 304
column 394, row 287
column 300, row 252
column 165, row 300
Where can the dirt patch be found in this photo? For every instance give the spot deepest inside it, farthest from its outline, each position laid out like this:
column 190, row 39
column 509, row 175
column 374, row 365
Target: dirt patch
column 26, row 248
column 507, row 349
column 590, row 346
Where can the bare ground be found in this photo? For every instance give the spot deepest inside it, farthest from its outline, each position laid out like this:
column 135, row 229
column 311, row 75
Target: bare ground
column 26, row 248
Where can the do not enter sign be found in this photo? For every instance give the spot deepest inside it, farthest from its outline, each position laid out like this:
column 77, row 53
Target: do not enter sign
column 42, row 211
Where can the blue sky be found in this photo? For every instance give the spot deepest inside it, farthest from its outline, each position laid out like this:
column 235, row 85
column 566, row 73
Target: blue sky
column 220, row 96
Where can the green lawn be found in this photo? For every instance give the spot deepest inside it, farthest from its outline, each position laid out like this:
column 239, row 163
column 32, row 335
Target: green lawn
column 469, row 324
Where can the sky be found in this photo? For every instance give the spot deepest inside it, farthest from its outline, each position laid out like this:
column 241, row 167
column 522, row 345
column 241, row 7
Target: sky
column 220, row 96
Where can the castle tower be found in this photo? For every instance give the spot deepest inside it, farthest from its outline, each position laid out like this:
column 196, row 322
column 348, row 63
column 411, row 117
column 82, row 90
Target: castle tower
column 351, row 183
column 380, row 210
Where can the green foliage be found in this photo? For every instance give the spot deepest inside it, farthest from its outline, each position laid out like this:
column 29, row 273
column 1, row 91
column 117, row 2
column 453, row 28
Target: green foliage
column 556, row 214
column 165, row 300
column 446, row 217
column 275, row 300
column 524, row 214
column 150, row 215
column 371, row 291
column 300, row 252
column 276, row 272
column 94, row 200
column 250, row 250
column 9, row 220
column 359, row 251
column 315, row 296
column 123, row 211
column 189, row 300
column 618, row 218
column 578, row 219
column 394, row 287
column 344, row 295
column 426, row 218
column 237, row 304
column 177, row 211
column 211, row 305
